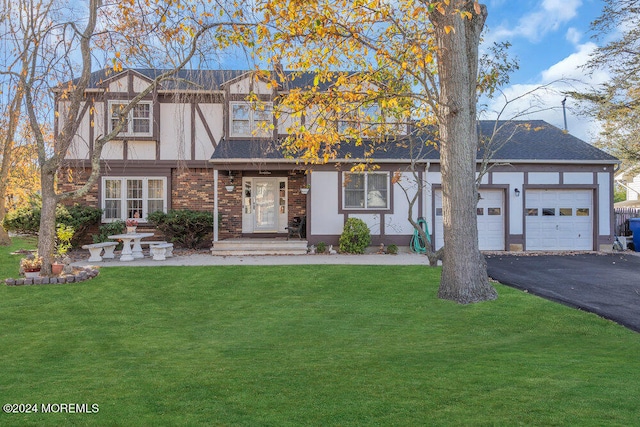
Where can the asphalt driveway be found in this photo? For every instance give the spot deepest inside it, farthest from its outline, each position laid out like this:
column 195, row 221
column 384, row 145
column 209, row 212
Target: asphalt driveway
column 605, row 284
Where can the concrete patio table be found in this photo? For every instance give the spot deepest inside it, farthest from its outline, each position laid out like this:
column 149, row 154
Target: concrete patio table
column 131, row 252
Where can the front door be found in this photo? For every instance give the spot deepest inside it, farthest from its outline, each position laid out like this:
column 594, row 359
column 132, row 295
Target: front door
column 265, row 204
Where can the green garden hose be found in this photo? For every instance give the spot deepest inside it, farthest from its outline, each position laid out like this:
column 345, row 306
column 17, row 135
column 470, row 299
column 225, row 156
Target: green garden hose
column 417, row 244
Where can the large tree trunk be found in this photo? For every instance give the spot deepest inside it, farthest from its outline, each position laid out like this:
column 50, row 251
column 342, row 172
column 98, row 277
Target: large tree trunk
column 47, row 236
column 5, row 240
column 464, row 273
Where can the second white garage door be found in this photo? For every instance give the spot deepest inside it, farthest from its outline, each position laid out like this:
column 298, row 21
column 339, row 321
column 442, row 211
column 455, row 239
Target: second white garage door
column 559, row 220
column 490, row 220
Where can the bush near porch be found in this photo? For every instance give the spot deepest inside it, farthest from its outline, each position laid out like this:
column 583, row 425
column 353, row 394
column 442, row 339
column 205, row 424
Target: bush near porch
column 186, row 228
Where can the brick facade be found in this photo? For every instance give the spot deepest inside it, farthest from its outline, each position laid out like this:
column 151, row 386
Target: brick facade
column 193, row 188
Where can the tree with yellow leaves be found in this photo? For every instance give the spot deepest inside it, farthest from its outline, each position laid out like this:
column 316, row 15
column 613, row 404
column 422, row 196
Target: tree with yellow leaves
column 68, row 40
column 417, row 60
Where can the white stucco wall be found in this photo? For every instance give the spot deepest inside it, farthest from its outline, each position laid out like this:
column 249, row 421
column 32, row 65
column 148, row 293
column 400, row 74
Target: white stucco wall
column 544, row 178
column 79, row 148
column 604, row 203
column 119, row 85
column 213, row 115
column 516, row 205
column 324, row 199
column 175, row 132
column 141, row 150
column 139, row 84
column 397, row 222
column 113, row 150
column 244, row 87
column 577, row 178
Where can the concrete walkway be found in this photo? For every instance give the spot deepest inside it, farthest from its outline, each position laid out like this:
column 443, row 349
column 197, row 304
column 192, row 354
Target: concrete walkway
column 404, row 257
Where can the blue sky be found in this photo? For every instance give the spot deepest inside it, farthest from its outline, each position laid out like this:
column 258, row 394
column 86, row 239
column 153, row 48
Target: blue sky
column 551, row 39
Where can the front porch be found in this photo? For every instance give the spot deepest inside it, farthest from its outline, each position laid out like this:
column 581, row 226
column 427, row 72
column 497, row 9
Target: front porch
column 259, row 246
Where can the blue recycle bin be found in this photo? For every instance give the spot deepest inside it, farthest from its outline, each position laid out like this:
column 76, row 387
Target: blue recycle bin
column 634, row 226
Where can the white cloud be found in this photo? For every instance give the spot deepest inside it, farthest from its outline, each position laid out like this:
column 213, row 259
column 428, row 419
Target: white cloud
column 542, row 100
column 573, row 35
column 536, row 24
column 570, row 67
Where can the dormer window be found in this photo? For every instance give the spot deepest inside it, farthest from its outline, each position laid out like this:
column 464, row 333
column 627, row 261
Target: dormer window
column 251, row 119
column 137, row 122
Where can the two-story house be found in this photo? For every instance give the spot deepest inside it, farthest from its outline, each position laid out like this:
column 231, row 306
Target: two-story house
column 209, row 140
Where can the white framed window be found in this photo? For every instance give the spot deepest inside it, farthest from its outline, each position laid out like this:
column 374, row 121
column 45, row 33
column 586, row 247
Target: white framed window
column 367, row 190
column 250, row 119
column 123, row 197
column 361, row 120
column 137, row 122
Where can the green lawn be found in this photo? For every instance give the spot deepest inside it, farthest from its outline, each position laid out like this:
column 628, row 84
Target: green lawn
column 305, row 345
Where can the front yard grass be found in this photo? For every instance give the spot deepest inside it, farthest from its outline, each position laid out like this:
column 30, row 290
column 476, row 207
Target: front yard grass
column 305, row 345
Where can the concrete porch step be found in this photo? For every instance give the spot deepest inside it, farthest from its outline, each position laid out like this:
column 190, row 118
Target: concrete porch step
column 251, row 246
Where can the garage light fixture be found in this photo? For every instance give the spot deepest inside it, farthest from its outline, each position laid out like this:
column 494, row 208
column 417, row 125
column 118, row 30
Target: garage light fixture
column 517, row 192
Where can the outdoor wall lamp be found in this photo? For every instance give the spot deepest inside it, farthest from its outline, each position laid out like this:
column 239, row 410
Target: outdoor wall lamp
column 230, row 187
column 517, row 192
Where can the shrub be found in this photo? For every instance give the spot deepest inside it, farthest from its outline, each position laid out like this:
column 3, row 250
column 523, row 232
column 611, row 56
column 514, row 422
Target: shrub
column 355, row 237
column 321, row 247
column 187, row 228
column 26, row 220
column 392, row 249
column 64, row 234
column 108, row 229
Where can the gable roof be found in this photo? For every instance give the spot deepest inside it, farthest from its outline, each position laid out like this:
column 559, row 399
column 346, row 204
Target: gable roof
column 206, row 80
column 532, row 141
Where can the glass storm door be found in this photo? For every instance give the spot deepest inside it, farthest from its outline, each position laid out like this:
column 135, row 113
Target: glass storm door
column 265, row 192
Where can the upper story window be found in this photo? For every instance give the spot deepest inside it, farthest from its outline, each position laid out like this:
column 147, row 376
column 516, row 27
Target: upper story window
column 137, row 122
column 251, row 119
column 124, row 197
column 361, row 120
column 368, row 190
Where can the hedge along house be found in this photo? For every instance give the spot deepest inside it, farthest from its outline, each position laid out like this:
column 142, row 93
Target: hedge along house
column 198, row 142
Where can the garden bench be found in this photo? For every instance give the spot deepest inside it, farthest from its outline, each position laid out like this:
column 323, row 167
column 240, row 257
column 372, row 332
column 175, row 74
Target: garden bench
column 161, row 251
column 95, row 249
column 151, row 242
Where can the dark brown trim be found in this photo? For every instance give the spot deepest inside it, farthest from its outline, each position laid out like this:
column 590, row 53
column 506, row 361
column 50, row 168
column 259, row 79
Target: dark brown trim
column 192, row 117
column 146, row 165
column 207, row 129
column 188, row 98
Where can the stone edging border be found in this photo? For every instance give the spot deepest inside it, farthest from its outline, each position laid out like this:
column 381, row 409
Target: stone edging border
column 82, row 275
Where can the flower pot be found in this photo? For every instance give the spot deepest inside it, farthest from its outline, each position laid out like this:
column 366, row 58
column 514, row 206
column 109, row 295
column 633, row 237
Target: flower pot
column 304, row 190
column 56, row 268
column 32, row 273
column 131, row 229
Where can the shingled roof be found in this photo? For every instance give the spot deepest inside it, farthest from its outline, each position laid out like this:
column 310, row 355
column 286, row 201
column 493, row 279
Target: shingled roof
column 516, row 142
column 209, row 80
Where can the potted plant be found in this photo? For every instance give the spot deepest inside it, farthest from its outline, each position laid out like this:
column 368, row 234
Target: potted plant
column 64, row 234
column 31, row 265
column 132, row 224
column 305, row 189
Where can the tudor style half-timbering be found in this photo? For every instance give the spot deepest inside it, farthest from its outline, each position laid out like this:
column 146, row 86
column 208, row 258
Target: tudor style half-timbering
column 209, row 140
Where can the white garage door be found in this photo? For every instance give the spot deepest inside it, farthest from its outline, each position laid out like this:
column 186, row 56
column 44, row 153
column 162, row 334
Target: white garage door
column 490, row 220
column 559, row 220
